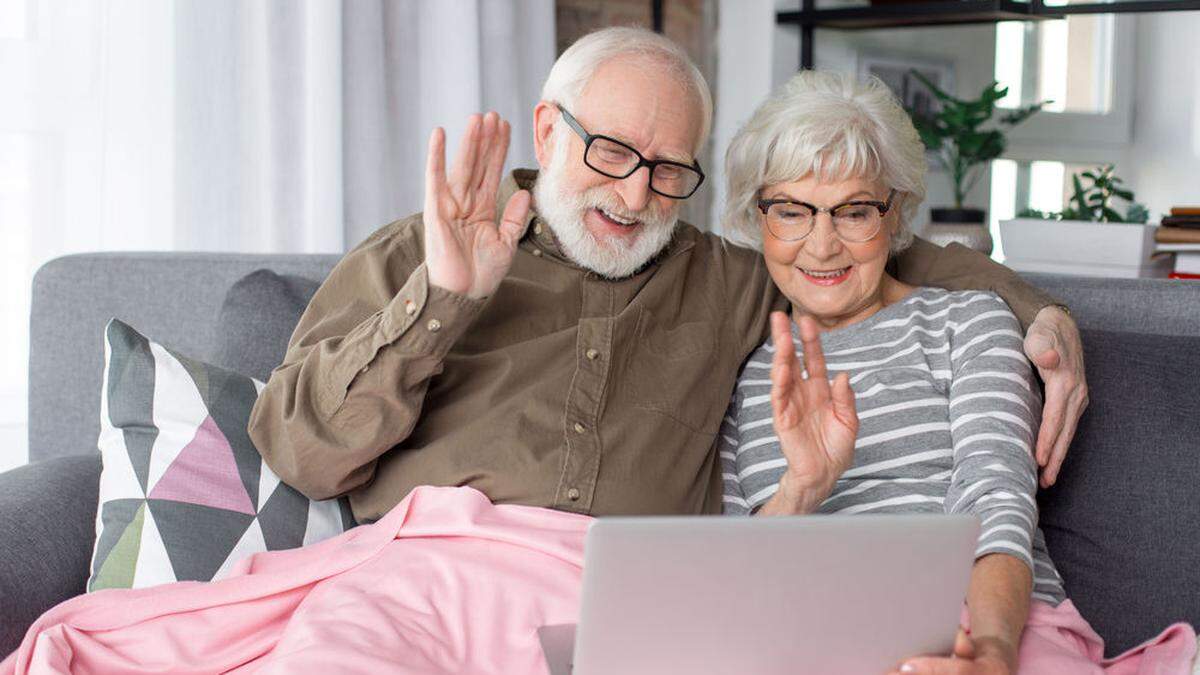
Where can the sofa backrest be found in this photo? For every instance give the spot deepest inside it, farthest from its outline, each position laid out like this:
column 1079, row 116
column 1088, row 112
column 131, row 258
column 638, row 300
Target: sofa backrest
column 1157, row 306
column 173, row 297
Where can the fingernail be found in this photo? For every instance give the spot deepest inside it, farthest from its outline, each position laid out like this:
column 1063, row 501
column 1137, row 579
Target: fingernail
column 908, row 668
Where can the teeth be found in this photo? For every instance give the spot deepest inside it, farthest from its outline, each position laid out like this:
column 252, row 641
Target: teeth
column 623, row 221
column 826, row 275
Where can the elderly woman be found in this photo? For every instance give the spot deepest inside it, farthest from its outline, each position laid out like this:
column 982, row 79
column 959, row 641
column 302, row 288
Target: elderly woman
column 933, row 408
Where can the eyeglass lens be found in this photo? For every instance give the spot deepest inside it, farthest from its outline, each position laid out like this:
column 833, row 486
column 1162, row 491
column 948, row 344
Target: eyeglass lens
column 617, row 160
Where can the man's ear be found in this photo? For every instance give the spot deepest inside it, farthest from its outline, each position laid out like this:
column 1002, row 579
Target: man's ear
column 545, row 114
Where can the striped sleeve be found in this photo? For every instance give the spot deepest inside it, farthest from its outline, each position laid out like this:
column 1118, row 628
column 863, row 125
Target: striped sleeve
column 994, row 413
column 734, row 501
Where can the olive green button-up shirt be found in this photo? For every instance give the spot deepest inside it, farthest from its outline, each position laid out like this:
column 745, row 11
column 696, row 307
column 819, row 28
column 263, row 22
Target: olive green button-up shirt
column 562, row 390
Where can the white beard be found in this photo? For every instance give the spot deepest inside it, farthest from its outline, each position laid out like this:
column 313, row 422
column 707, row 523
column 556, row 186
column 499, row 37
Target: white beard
column 563, row 211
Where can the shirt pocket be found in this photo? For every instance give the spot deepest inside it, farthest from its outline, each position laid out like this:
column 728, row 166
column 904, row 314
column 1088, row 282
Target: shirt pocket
column 671, row 371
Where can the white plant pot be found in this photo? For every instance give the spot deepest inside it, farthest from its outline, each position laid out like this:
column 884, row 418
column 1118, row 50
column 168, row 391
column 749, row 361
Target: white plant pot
column 1082, row 249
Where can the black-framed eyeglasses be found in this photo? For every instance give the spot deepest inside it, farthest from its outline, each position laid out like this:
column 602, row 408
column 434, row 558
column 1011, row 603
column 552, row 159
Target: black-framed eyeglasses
column 855, row 221
column 612, row 158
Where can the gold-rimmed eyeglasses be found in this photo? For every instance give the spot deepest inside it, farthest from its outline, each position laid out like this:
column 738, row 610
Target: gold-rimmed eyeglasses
column 855, row 221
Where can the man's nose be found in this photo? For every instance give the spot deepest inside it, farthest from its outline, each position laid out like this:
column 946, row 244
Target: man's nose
column 634, row 189
column 823, row 241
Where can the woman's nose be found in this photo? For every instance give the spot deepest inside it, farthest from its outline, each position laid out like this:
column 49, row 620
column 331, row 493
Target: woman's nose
column 823, row 241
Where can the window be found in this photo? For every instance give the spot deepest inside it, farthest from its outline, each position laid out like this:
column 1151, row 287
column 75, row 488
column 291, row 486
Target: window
column 1084, row 65
column 1065, row 61
column 16, row 185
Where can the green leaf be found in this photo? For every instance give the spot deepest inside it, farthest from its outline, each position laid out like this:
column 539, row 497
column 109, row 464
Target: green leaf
column 1137, row 213
column 1112, row 216
column 941, row 95
column 1021, row 114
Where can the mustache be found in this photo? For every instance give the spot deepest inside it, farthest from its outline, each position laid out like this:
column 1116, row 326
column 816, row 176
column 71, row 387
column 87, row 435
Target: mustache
column 654, row 214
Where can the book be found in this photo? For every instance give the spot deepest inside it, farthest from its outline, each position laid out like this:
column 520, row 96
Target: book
column 1187, row 222
column 1177, row 235
column 1185, row 210
column 1187, row 262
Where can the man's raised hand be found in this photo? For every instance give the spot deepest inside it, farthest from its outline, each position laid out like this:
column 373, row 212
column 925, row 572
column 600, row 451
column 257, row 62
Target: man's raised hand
column 466, row 250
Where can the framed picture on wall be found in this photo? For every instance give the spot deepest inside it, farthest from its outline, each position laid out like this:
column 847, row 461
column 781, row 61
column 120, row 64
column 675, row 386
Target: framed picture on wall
column 896, row 73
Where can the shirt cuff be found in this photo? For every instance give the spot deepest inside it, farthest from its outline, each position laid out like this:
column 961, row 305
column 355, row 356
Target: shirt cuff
column 426, row 320
column 414, row 331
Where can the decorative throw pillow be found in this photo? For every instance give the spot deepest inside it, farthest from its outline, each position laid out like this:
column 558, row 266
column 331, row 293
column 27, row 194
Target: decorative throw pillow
column 184, row 494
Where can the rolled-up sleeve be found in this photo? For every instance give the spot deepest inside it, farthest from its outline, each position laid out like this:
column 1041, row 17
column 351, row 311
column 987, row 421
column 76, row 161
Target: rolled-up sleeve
column 353, row 380
column 994, row 415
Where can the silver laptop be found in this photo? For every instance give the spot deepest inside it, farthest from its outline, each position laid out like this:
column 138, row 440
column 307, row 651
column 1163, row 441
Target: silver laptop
column 724, row 595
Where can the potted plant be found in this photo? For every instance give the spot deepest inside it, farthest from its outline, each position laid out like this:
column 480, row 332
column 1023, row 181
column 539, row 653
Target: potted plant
column 961, row 144
column 1090, row 237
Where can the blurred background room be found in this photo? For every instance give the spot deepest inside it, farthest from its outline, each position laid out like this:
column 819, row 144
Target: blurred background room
column 299, row 126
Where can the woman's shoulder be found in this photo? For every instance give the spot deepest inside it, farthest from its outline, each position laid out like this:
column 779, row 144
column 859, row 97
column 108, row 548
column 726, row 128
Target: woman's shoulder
column 954, row 307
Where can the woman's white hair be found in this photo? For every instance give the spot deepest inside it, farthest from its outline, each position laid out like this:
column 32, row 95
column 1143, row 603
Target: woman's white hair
column 831, row 126
column 574, row 69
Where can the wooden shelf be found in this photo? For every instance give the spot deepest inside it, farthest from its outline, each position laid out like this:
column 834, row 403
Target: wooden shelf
column 954, row 12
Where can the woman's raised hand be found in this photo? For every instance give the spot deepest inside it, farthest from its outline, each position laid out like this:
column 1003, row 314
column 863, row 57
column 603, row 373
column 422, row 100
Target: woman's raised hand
column 816, row 423
column 466, row 250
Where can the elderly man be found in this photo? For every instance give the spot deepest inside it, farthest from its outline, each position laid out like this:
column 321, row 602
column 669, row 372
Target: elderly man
column 560, row 339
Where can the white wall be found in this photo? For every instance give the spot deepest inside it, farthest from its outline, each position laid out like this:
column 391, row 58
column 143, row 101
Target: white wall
column 745, row 54
column 1164, row 164
column 751, row 44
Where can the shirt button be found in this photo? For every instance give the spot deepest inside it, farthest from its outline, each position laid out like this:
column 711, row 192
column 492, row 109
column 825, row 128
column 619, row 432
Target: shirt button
column 592, row 354
column 573, row 494
column 410, row 307
column 537, row 228
column 579, row 428
column 537, row 252
column 365, row 368
column 434, row 325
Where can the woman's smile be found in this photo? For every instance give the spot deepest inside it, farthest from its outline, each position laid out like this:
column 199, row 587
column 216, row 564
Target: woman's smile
column 827, row 276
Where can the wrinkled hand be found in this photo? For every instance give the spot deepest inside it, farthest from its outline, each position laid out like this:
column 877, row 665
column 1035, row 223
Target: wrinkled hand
column 1054, row 347
column 969, row 659
column 466, row 251
column 816, row 424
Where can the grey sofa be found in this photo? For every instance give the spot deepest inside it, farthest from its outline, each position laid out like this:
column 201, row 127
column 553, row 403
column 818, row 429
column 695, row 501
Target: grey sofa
column 1121, row 524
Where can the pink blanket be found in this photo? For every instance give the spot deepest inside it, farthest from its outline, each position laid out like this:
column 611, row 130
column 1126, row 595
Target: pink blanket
column 1059, row 641
column 445, row 583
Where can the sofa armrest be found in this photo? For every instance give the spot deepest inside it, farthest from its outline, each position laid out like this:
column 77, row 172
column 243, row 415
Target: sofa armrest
column 48, row 529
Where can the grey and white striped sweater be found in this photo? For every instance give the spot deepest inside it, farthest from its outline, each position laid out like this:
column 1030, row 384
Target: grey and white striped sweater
column 948, row 413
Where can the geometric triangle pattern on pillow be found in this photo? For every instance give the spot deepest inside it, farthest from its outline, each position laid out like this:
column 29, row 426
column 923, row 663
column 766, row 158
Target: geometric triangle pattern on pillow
column 184, row 494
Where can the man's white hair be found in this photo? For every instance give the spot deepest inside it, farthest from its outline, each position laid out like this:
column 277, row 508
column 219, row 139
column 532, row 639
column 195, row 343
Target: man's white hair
column 575, row 68
column 831, row 126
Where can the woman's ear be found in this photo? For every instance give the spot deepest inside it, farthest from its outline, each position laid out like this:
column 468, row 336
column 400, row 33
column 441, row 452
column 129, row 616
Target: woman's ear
column 545, row 115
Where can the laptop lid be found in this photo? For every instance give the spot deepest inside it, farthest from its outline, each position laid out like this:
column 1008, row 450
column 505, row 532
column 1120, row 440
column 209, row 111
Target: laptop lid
column 719, row 595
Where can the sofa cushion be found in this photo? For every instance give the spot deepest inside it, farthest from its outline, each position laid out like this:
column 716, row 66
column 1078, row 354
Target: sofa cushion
column 256, row 321
column 1121, row 521
column 184, row 494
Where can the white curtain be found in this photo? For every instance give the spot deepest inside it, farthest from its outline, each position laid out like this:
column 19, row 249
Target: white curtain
column 234, row 125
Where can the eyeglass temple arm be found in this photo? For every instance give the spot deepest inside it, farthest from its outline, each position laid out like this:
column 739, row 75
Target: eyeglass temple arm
column 572, row 122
